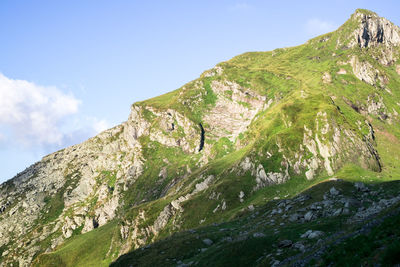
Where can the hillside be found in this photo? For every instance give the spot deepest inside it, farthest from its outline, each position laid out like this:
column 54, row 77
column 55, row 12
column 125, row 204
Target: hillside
column 222, row 152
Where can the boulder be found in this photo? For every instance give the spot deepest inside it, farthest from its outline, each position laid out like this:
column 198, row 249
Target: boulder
column 309, row 216
column 315, row 234
column 334, row 192
column 338, row 212
column 258, row 235
column 208, row 242
column 294, row 217
column 299, row 246
column 310, row 234
column 285, row 243
column 361, row 187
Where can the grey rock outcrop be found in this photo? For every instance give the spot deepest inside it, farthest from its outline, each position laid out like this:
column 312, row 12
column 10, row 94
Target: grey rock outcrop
column 374, row 30
column 285, row 243
column 208, row 241
column 333, row 191
column 310, row 234
column 233, row 112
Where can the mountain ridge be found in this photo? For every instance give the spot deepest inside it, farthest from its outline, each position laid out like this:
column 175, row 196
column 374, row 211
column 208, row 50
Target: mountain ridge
column 205, row 152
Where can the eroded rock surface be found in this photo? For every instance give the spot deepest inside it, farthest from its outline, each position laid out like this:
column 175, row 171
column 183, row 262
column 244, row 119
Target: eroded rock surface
column 234, row 110
column 374, row 30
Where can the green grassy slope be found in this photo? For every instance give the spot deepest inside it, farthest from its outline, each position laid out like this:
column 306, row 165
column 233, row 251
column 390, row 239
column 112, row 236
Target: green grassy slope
column 90, row 249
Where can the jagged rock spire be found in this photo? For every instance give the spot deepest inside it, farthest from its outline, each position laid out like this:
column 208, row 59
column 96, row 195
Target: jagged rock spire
column 373, row 30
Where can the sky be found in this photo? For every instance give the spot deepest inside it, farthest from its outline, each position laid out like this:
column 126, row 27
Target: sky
column 71, row 69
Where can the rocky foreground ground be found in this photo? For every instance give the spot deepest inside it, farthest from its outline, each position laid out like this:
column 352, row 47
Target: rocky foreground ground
column 316, row 227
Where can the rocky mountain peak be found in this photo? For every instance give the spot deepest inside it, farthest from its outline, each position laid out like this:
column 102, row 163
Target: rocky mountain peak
column 373, row 30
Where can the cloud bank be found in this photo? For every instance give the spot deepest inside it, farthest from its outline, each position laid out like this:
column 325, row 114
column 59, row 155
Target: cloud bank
column 100, row 125
column 35, row 115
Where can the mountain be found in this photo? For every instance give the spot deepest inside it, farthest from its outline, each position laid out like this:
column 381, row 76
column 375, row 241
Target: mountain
column 284, row 157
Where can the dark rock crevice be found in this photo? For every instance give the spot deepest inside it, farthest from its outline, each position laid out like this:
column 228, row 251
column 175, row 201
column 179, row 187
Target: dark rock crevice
column 201, row 137
column 370, row 141
column 95, row 223
column 365, row 36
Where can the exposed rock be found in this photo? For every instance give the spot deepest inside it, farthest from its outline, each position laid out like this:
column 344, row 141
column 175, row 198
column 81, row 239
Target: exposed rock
column 163, row 173
column 374, row 30
column 375, row 208
column 230, row 117
column 88, row 226
column 376, row 106
column 309, row 216
column 288, row 207
column 217, row 70
column 342, row 72
column 276, row 211
column 338, row 212
column 299, row 246
column 203, row 185
column 258, row 235
column 326, row 78
column 136, row 126
column 78, row 174
column 241, row 196
column 361, row 187
column 107, row 211
column 124, row 231
column 216, row 208
column 326, row 151
column 310, row 234
column 223, row 205
column 170, row 120
column 364, row 71
column 246, row 164
column 208, row 242
column 264, row 179
column 285, row 243
column 352, row 202
column 163, row 218
column 294, row 217
column 333, row 191
column 275, row 263
column 67, row 233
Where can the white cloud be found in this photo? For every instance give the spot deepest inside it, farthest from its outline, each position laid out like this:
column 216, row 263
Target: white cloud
column 100, row 125
column 317, row 26
column 33, row 112
column 79, row 128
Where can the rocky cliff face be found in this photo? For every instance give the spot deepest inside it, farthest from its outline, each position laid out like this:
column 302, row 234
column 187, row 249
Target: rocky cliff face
column 206, row 151
column 80, row 187
column 374, row 30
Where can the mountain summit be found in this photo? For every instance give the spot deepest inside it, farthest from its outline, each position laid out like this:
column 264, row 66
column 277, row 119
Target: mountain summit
column 373, row 30
column 224, row 148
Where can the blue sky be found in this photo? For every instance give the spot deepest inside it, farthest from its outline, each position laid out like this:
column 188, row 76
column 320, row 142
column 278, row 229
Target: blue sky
column 69, row 69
